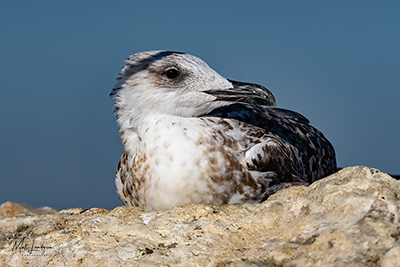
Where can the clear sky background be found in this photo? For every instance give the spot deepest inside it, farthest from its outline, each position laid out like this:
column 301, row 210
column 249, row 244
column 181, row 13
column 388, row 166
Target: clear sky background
column 336, row 62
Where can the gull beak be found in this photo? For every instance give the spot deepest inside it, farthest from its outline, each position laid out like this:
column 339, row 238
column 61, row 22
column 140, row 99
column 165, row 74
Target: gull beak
column 244, row 92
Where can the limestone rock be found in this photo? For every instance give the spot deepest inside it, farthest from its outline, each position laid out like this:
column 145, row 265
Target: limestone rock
column 11, row 208
column 351, row 218
column 396, row 176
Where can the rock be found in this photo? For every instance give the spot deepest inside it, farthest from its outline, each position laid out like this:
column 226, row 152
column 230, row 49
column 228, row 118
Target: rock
column 396, row 176
column 351, row 218
column 11, row 208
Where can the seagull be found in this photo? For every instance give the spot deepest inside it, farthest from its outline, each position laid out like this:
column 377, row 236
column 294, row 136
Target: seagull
column 192, row 136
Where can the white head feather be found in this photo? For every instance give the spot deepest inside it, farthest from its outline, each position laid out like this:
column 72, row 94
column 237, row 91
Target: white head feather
column 145, row 87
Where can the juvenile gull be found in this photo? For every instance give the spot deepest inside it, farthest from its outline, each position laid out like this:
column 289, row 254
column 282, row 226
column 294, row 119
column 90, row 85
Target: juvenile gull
column 192, row 136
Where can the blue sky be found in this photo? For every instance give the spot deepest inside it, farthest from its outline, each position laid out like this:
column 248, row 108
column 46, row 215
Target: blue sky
column 336, row 62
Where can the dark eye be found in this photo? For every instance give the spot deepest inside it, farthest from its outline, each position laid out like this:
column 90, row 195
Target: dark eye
column 172, row 73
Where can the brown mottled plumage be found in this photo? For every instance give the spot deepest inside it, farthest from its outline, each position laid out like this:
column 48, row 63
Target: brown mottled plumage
column 192, row 136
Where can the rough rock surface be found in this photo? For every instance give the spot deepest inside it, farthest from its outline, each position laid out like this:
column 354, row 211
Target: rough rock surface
column 351, row 218
column 12, row 208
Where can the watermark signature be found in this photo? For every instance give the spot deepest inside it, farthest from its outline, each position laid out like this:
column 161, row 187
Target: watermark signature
column 29, row 247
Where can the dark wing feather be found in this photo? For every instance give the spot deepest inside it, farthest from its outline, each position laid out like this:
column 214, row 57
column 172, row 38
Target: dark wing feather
column 296, row 149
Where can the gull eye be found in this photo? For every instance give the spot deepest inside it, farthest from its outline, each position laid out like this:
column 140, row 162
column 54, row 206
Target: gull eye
column 172, row 73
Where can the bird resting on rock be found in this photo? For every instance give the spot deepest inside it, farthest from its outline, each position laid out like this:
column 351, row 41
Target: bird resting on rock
column 192, row 136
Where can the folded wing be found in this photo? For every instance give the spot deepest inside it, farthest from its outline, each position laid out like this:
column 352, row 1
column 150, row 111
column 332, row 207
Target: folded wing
column 281, row 144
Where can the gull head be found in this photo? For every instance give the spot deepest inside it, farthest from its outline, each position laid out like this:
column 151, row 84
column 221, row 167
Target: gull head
column 177, row 84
